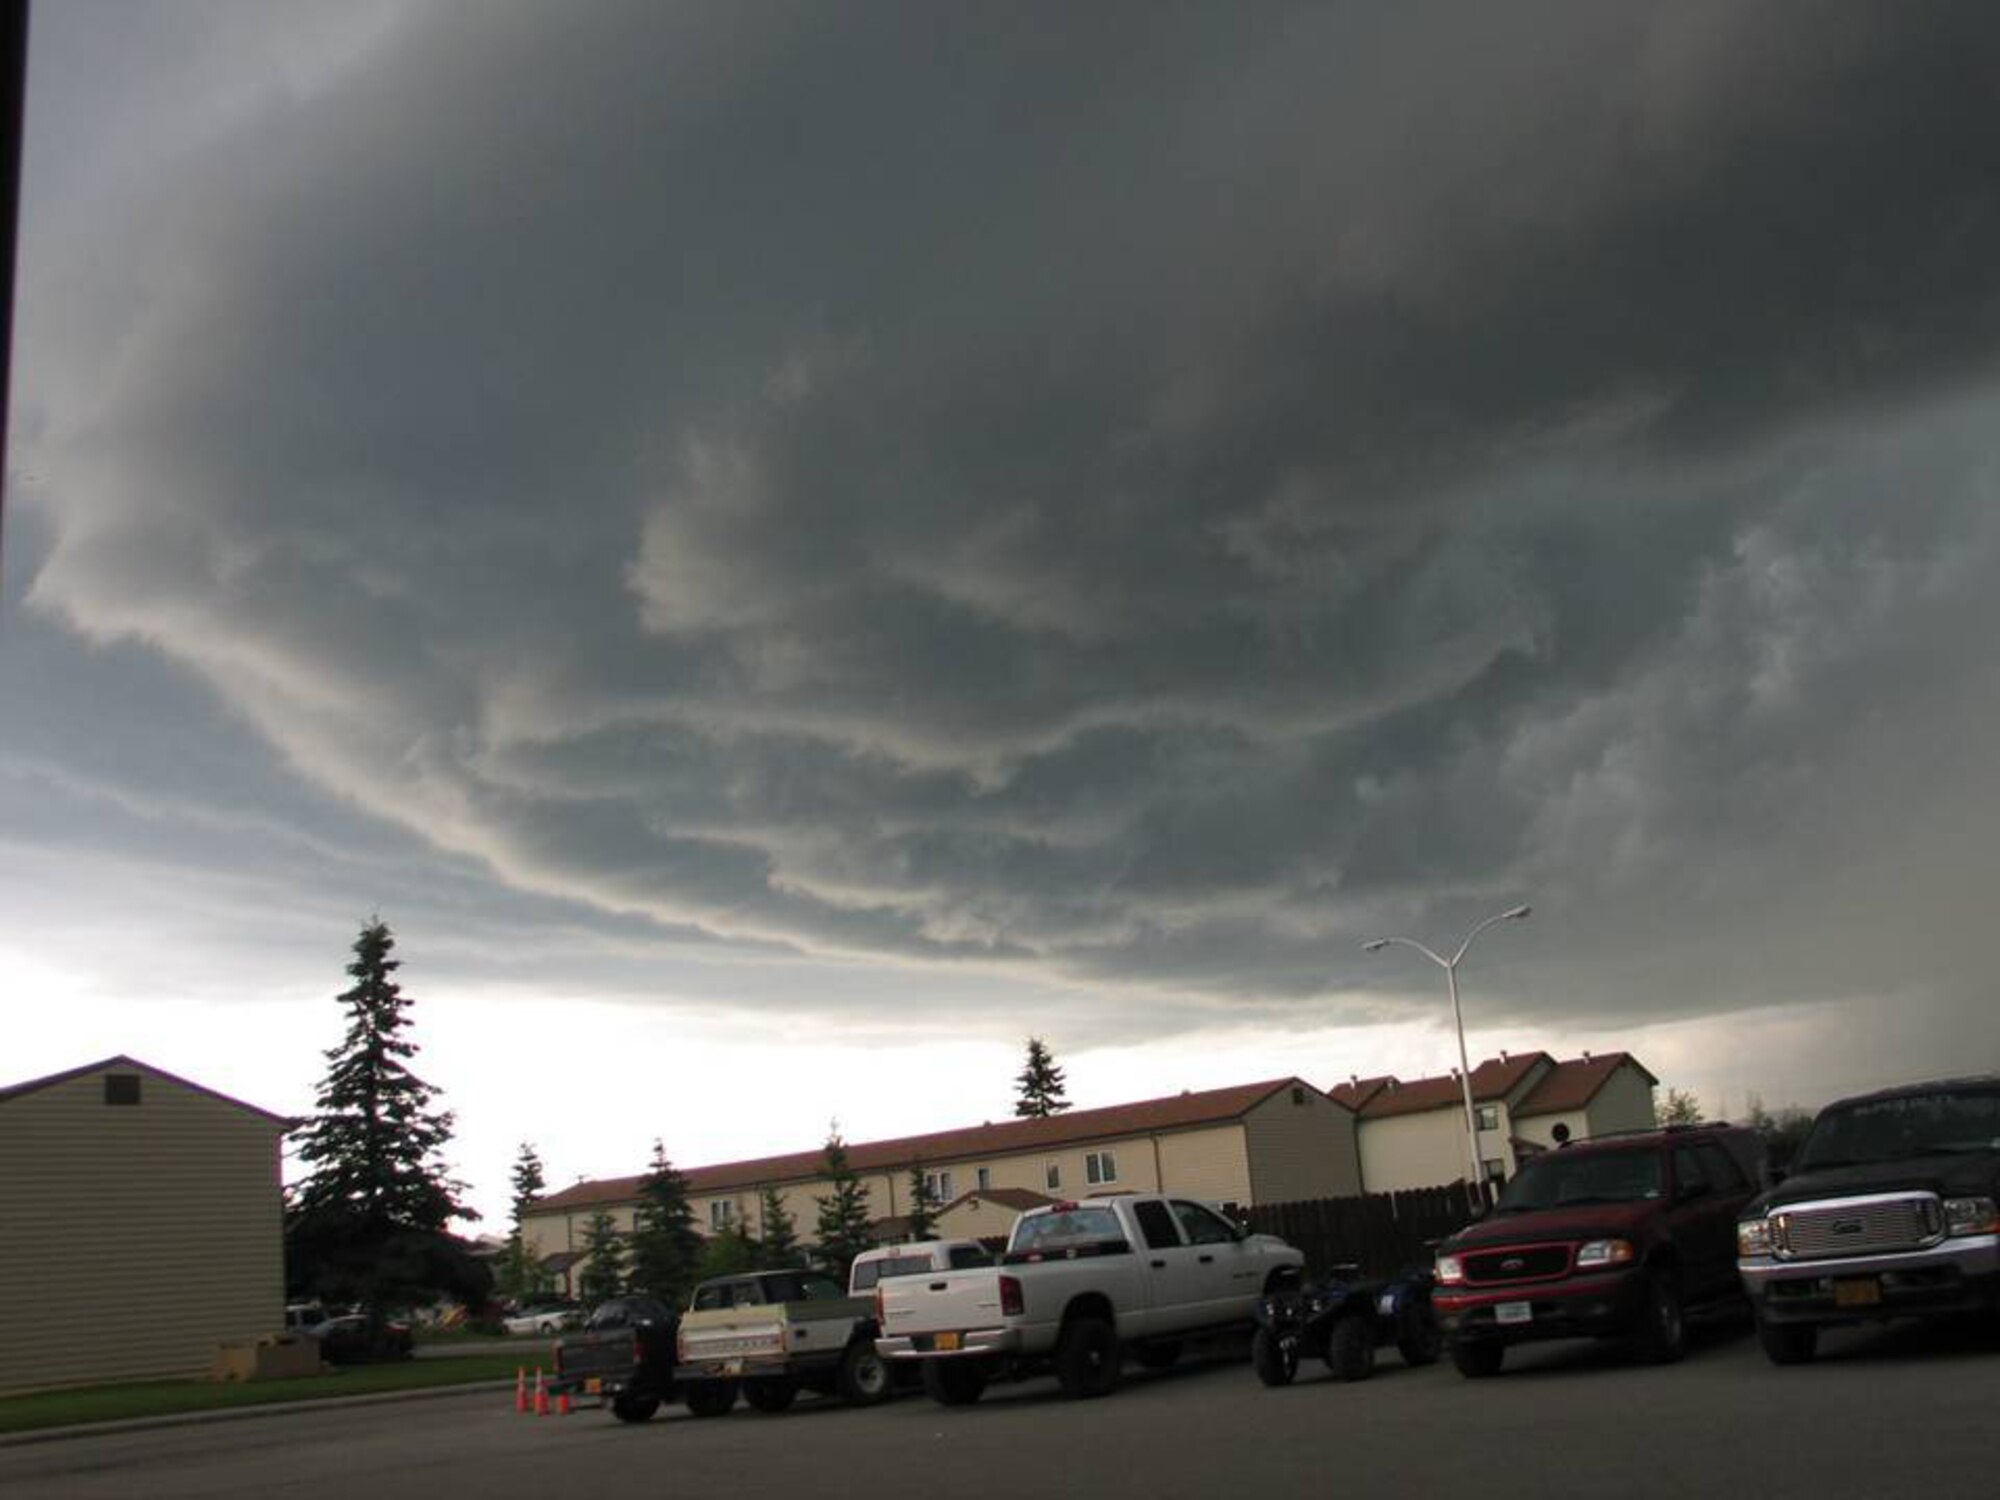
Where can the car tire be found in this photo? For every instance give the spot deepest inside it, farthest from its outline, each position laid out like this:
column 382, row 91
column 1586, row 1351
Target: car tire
column 1662, row 1337
column 1275, row 1360
column 1477, row 1359
column 1420, row 1341
column 864, row 1375
column 627, row 1408
column 955, row 1382
column 1087, row 1359
column 710, row 1398
column 769, row 1395
column 1350, row 1350
column 1158, row 1355
column 1788, row 1343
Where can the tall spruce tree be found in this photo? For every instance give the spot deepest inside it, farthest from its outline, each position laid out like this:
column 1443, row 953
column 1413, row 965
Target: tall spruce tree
column 922, row 1217
column 781, row 1235
column 521, row 1276
column 603, row 1273
column 370, row 1221
column 843, row 1213
column 666, row 1249
column 1039, row 1085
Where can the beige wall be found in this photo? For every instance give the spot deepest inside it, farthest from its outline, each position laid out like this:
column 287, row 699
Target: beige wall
column 1302, row 1145
column 1413, row 1151
column 134, row 1238
column 1625, row 1102
column 977, row 1220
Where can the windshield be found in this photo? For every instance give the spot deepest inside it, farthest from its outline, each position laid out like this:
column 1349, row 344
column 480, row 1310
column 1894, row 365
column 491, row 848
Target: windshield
column 1559, row 1179
column 1906, row 1126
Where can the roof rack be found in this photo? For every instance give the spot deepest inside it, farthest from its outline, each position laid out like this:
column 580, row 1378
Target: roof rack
column 1675, row 1129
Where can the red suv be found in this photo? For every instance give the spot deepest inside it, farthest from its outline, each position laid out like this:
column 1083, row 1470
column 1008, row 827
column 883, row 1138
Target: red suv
column 1612, row 1237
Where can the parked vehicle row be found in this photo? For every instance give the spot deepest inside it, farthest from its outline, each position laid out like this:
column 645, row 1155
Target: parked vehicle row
column 1890, row 1211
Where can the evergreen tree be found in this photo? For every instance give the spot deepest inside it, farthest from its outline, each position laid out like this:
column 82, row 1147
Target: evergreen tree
column 369, row 1223
column 603, row 1273
column 843, row 1214
column 730, row 1252
column 1039, row 1084
column 666, row 1248
column 781, row 1235
column 923, row 1207
column 1680, row 1107
column 521, row 1277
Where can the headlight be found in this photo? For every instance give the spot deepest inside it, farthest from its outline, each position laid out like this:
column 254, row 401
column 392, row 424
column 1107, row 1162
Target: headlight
column 1971, row 1216
column 1450, row 1270
column 1753, row 1237
column 1603, row 1253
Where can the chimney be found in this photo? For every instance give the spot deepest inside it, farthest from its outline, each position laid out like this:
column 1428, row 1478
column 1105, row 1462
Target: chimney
column 1354, row 1080
column 1503, row 1054
column 1586, row 1054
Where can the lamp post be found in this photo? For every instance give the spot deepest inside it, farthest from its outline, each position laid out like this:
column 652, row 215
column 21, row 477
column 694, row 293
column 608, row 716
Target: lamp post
column 1450, row 966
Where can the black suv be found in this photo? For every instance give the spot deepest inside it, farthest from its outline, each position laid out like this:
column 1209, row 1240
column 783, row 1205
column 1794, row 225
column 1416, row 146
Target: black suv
column 1614, row 1236
column 1889, row 1212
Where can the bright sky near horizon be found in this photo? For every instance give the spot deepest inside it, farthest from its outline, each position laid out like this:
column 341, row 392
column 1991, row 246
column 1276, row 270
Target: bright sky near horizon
column 787, row 548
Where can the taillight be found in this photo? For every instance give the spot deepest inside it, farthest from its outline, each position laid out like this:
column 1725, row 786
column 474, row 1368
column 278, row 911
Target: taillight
column 881, row 1311
column 1011, row 1305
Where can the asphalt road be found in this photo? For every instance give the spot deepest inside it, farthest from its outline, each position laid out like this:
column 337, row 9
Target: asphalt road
column 1886, row 1413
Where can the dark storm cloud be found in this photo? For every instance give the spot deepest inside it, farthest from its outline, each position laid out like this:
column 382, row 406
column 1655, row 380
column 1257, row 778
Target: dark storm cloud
column 1138, row 496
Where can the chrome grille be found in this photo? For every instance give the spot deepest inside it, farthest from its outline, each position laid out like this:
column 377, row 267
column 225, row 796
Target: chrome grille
column 1517, row 1263
column 1865, row 1227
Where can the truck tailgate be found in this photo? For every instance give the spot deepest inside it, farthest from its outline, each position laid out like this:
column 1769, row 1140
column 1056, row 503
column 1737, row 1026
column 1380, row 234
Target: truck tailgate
column 914, row 1306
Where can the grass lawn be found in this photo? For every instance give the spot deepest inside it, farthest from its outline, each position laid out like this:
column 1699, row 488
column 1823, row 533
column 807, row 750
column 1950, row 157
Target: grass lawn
column 110, row 1403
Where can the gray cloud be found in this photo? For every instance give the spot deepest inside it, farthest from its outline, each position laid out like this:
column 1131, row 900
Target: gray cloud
column 1132, row 500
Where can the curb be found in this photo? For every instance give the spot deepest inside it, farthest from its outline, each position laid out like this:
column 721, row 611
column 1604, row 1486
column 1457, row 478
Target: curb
column 243, row 1413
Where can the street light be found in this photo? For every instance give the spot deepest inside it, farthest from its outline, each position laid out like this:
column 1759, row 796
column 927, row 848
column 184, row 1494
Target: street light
column 1450, row 967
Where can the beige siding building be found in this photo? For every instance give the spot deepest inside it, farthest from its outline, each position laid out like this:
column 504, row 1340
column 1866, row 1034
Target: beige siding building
column 143, row 1226
column 1255, row 1143
column 1412, row 1135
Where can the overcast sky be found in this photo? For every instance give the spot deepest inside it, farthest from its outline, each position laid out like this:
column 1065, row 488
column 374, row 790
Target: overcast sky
column 784, row 548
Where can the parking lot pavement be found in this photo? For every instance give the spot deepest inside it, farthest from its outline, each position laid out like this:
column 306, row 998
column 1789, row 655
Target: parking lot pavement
column 1887, row 1413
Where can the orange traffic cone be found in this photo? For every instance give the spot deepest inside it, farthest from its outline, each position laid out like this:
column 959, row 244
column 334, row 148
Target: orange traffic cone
column 521, row 1389
column 563, row 1408
column 541, row 1395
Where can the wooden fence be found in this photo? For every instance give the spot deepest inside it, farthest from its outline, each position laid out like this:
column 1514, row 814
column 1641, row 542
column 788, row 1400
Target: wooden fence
column 1381, row 1232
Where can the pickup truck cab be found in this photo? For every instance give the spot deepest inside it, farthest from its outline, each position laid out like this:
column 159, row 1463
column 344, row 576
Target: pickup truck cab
column 1611, row 1237
column 1889, row 1212
column 771, row 1334
column 624, row 1354
column 1080, row 1284
column 915, row 1259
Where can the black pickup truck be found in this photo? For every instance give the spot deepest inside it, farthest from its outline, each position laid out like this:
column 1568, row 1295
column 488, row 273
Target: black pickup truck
column 1891, row 1210
column 624, row 1354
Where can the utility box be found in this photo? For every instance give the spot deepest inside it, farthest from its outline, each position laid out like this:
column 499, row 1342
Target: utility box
column 280, row 1357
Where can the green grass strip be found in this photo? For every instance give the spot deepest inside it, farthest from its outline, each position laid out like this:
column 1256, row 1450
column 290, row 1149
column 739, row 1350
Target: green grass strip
column 112, row 1403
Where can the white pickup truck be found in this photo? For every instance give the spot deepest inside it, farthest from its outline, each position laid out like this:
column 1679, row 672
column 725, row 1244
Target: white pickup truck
column 771, row 1334
column 1079, row 1285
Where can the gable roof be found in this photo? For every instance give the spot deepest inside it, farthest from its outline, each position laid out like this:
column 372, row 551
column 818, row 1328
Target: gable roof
column 1018, row 1199
column 1356, row 1092
column 1184, row 1111
column 1494, row 1079
column 132, row 1064
column 1573, row 1083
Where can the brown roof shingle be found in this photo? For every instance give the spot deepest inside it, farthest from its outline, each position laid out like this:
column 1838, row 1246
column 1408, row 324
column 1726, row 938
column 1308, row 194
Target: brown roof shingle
column 1495, row 1078
column 1574, row 1082
column 1175, row 1112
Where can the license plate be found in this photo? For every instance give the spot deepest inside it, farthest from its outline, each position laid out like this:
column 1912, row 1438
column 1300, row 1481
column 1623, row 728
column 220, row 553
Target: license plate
column 1857, row 1291
column 594, row 1386
column 732, row 1367
column 945, row 1341
column 1385, row 1305
column 1513, row 1312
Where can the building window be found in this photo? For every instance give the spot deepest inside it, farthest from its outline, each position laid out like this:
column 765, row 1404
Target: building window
column 1496, row 1169
column 1052, row 1175
column 937, row 1187
column 985, row 1175
column 121, row 1088
column 1298, row 1094
column 722, row 1213
column 1100, row 1166
column 1489, row 1117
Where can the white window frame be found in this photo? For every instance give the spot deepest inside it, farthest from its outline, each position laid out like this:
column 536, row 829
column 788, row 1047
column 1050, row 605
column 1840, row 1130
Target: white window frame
column 1488, row 1116
column 1100, row 1167
column 1495, row 1168
column 984, row 1177
column 1052, row 1175
column 721, row 1213
column 937, row 1185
